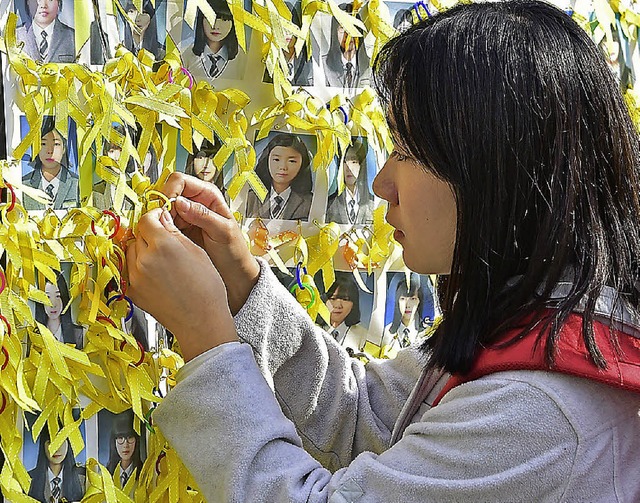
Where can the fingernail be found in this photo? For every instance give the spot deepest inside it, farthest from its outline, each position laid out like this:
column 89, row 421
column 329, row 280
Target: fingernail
column 166, row 217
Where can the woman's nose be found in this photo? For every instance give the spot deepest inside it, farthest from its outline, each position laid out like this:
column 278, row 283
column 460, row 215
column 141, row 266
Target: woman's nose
column 383, row 186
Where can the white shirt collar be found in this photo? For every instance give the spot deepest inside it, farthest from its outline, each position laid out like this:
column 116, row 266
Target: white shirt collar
column 37, row 32
column 52, row 476
column 339, row 333
column 55, row 182
column 128, row 470
column 285, row 197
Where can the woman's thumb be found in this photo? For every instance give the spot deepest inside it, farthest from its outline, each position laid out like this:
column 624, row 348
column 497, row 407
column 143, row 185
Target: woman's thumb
column 197, row 214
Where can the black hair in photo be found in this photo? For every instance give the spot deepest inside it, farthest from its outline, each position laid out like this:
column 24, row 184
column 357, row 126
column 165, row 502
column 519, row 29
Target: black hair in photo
column 221, row 8
column 302, row 183
column 70, row 331
column 48, row 125
column 123, row 427
column 334, row 55
column 150, row 37
column 72, row 487
column 402, row 290
column 358, row 151
column 514, row 106
column 345, row 286
column 402, row 16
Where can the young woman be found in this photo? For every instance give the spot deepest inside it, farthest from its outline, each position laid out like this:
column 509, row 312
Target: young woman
column 214, row 46
column 355, row 204
column 124, row 450
column 56, row 477
column 201, row 164
column 51, row 171
column 516, row 176
column 343, row 300
column 346, row 64
column 60, row 324
column 144, row 34
column 284, row 167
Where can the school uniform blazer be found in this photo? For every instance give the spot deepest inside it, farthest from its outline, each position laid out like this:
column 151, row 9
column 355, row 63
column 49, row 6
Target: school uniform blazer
column 40, row 488
column 337, row 210
column 62, row 46
column 302, row 72
column 297, row 207
column 334, row 75
column 67, row 196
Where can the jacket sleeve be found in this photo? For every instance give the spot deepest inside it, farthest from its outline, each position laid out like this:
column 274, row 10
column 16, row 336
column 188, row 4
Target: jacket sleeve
column 339, row 406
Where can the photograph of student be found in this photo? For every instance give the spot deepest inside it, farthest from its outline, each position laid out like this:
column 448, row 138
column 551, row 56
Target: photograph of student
column 346, row 64
column 214, row 46
column 529, row 388
column 46, row 38
column 51, row 171
column 300, row 67
column 201, row 164
column 403, row 20
column 355, row 204
column 124, row 450
column 150, row 166
column 56, row 477
column 144, row 32
column 60, row 324
column 284, row 166
column 409, row 307
column 343, row 301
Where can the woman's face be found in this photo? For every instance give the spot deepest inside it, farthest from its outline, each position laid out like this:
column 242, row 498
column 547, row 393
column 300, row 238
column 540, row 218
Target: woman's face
column 51, row 150
column 351, row 170
column 219, row 31
column 125, row 447
column 408, row 305
column 343, row 37
column 339, row 305
column 284, row 165
column 422, row 208
column 57, row 457
column 142, row 20
column 203, row 166
column 53, row 293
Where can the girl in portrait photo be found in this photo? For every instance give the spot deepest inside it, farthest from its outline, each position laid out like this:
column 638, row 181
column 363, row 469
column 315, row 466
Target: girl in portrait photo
column 56, row 476
column 200, row 164
column 125, row 459
column 214, row 46
column 284, row 167
column 355, row 204
column 144, row 33
column 51, row 171
column 58, row 322
column 343, row 301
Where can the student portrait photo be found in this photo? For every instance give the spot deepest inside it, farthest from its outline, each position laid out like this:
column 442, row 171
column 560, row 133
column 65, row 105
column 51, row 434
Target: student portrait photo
column 213, row 52
column 46, row 37
column 201, row 165
column 50, row 170
column 284, row 166
column 355, row 204
column 299, row 68
column 143, row 33
column 58, row 316
column 56, row 477
column 120, row 448
column 346, row 63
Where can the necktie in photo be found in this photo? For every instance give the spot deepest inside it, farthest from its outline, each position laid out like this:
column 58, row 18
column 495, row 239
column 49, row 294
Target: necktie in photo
column 405, row 341
column 123, row 479
column 352, row 212
column 44, row 45
column 215, row 68
column 349, row 74
column 335, row 334
column 55, row 489
column 49, row 190
column 277, row 209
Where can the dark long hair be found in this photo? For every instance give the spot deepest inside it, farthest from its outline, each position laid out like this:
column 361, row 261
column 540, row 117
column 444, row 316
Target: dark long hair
column 334, row 55
column 221, row 8
column 345, row 285
column 69, row 328
column 206, row 150
column 514, row 106
column 403, row 291
column 150, row 37
column 301, row 184
column 123, row 427
column 72, row 488
column 48, row 125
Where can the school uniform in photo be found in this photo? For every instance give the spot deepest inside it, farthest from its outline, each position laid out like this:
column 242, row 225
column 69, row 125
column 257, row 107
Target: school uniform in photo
column 296, row 207
column 65, row 196
column 338, row 209
column 42, row 484
column 336, row 71
column 353, row 337
column 60, row 41
column 300, row 72
column 209, row 66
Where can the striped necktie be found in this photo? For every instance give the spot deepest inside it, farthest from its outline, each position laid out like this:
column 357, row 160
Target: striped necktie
column 56, row 491
column 277, row 209
column 44, row 45
column 352, row 211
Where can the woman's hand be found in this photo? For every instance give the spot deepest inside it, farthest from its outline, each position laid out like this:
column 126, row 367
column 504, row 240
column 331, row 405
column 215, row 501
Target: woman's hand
column 202, row 214
column 174, row 280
